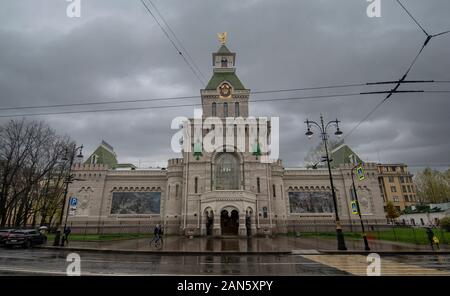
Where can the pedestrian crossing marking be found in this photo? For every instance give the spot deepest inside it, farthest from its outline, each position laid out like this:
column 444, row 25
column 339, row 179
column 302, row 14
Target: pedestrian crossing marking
column 357, row 265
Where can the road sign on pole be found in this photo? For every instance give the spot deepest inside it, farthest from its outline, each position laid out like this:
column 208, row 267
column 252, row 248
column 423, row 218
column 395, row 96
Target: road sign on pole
column 360, row 173
column 354, row 207
column 73, row 201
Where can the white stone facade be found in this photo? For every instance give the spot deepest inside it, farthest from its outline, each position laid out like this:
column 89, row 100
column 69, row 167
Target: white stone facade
column 213, row 194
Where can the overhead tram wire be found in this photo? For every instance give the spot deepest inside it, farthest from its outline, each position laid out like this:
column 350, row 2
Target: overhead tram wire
column 178, row 40
column 173, row 106
column 412, row 17
column 429, row 36
column 172, row 42
column 197, row 96
column 194, row 105
column 403, row 79
column 178, row 98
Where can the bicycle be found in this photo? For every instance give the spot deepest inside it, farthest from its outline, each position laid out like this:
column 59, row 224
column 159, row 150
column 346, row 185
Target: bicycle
column 157, row 242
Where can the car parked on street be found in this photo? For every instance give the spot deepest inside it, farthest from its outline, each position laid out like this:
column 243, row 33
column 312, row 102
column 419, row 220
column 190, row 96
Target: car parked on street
column 25, row 238
column 4, row 235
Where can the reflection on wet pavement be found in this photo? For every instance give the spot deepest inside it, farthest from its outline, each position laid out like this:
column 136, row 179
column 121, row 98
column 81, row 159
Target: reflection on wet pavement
column 54, row 261
column 254, row 244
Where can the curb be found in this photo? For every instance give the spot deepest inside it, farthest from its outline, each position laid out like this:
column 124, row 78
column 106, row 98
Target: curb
column 164, row 252
column 205, row 253
column 388, row 253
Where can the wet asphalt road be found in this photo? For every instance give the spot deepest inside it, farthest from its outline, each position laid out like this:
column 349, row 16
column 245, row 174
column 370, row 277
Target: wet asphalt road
column 53, row 262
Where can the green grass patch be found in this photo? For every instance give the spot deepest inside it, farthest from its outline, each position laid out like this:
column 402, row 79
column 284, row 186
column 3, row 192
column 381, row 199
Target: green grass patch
column 398, row 234
column 409, row 235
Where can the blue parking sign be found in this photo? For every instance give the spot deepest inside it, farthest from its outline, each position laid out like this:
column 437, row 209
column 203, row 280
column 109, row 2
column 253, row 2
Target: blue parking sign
column 73, row 201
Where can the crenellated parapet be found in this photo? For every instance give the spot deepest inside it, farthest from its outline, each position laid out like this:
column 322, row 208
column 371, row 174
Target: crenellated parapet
column 175, row 162
column 277, row 168
column 365, row 165
column 89, row 167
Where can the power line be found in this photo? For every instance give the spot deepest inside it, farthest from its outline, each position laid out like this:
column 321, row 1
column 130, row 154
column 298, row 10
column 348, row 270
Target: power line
column 197, row 96
column 178, row 40
column 366, row 117
column 170, row 106
column 172, row 42
column 177, row 98
column 192, row 105
column 413, row 18
column 403, row 79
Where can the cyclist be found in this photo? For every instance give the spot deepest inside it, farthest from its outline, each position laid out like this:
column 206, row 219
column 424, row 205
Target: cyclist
column 157, row 239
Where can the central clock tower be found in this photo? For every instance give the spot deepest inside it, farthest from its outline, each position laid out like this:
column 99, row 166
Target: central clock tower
column 224, row 95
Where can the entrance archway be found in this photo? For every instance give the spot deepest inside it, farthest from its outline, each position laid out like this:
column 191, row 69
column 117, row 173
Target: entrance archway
column 229, row 223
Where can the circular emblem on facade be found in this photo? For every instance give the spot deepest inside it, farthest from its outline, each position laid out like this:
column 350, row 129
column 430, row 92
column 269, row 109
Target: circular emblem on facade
column 225, row 90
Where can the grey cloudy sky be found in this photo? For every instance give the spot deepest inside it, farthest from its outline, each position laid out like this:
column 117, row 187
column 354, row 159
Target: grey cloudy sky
column 115, row 51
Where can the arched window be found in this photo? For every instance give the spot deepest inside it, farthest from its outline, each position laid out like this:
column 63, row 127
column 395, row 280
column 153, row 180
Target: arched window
column 227, row 174
column 225, row 109
column 196, row 185
column 224, row 62
column 264, row 212
column 236, row 109
column 214, row 109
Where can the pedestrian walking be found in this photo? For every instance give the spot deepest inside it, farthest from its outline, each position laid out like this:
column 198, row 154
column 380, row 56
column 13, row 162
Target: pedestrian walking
column 430, row 235
column 65, row 238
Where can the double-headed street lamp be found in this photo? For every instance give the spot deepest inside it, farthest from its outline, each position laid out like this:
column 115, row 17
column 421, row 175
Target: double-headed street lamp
column 355, row 195
column 323, row 131
column 69, row 156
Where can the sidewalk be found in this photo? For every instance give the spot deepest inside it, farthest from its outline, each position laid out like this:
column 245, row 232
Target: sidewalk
column 257, row 245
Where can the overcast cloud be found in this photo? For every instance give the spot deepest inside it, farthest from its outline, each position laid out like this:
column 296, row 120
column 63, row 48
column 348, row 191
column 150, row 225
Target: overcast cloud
column 115, row 51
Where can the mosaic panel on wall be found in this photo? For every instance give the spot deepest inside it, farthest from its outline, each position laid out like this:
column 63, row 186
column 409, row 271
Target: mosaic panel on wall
column 136, row 203
column 310, row 202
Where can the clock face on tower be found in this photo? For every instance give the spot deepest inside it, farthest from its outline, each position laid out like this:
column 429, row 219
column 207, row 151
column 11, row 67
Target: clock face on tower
column 225, row 90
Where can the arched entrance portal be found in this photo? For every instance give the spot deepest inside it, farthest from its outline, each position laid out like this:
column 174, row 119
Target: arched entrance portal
column 229, row 223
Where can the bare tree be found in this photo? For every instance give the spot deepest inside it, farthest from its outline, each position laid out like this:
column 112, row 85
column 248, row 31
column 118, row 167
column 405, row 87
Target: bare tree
column 433, row 186
column 30, row 156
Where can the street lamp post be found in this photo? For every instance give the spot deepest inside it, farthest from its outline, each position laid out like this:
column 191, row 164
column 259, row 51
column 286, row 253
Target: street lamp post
column 323, row 131
column 366, row 243
column 67, row 181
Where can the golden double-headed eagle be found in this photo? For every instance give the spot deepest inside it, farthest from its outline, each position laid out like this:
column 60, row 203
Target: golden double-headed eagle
column 222, row 37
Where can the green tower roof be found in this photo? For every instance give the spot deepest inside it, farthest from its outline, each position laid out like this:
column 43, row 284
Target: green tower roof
column 218, row 78
column 342, row 155
column 223, row 49
column 103, row 155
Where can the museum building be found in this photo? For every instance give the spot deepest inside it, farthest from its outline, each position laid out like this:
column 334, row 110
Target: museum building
column 220, row 193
